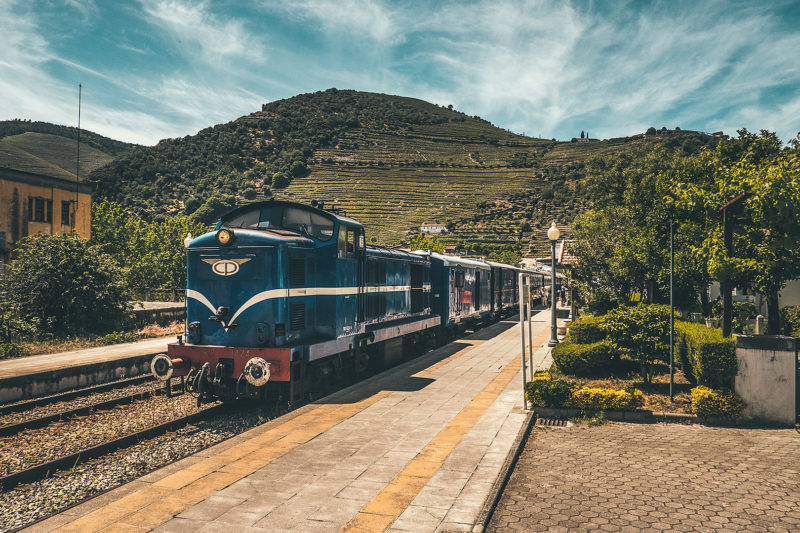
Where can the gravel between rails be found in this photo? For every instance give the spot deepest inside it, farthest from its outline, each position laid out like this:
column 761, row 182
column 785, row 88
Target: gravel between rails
column 28, row 503
column 35, row 446
column 83, row 401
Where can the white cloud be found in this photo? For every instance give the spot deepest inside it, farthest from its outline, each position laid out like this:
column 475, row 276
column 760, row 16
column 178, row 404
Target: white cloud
column 351, row 19
column 203, row 36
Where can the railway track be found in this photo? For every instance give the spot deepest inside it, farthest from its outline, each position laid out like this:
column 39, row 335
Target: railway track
column 42, row 470
column 66, row 414
column 70, row 395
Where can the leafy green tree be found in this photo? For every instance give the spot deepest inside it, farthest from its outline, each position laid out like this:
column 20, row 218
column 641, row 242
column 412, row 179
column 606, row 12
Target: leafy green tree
column 765, row 251
column 67, row 284
column 152, row 254
column 622, row 243
column 424, row 241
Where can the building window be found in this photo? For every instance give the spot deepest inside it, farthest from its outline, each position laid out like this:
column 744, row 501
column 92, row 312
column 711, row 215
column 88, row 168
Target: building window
column 40, row 210
column 65, row 208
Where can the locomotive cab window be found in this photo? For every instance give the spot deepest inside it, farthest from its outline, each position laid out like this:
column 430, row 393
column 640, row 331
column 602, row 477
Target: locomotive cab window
column 303, row 221
column 346, row 245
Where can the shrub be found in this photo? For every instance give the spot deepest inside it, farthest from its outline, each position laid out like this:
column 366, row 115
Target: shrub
column 705, row 356
column 68, row 284
column 587, row 329
column 790, row 320
column 116, row 337
column 707, row 402
column 548, row 393
column 582, row 359
column 597, row 399
column 10, row 350
column 741, row 313
column 641, row 333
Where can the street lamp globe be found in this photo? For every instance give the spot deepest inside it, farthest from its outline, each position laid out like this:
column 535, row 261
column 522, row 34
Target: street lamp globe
column 553, row 233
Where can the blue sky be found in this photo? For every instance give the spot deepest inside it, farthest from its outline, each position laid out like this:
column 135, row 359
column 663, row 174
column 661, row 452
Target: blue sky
column 152, row 69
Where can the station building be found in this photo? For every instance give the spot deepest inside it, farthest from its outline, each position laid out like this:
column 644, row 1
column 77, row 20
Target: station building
column 34, row 203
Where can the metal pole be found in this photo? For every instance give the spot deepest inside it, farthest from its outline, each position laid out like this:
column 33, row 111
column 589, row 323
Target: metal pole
column 671, row 310
column 78, row 162
column 522, row 337
column 530, row 328
column 553, row 324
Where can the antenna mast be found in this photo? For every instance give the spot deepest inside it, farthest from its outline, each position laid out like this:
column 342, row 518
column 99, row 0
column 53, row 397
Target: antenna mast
column 78, row 162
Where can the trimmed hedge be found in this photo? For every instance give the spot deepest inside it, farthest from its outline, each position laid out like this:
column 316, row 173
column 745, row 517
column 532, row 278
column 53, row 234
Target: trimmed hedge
column 582, row 359
column 587, row 330
column 705, row 356
column 598, row 399
column 711, row 403
column 548, row 393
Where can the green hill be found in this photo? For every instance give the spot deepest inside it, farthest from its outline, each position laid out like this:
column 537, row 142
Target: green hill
column 49, row 149
column 389, row 161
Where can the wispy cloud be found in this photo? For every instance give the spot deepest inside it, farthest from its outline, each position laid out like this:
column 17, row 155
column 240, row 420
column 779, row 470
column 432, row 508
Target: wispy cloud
column 202, row 35
column 359, row 19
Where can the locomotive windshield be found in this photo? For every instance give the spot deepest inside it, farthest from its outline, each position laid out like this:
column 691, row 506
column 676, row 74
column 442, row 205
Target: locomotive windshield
column 295, row 219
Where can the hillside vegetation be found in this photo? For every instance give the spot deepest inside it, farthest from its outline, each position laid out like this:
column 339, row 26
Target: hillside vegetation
column 51, row 150
column 391, row 162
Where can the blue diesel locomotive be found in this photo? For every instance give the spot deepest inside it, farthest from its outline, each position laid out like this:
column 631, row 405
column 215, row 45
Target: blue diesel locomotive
column 283, row 298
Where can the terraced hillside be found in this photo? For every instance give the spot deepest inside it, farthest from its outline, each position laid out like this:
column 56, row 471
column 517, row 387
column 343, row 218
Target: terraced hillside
column 391, row 162
column 50, row 149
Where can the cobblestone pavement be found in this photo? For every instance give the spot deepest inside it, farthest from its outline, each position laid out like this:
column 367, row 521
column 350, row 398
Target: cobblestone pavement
column 659, row 477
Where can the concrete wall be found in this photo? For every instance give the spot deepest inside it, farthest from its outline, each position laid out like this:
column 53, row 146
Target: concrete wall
column 767, row 377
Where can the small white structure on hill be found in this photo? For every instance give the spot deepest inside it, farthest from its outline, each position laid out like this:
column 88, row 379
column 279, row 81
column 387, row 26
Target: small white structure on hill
column 433, row 228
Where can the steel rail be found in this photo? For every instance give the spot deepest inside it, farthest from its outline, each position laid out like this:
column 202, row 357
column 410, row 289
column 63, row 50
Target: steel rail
column 43, row 470
column 35, row 423
column 69, row 395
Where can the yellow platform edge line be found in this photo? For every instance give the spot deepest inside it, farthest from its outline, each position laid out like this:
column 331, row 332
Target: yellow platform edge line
column 179, row 491
column 380, row 513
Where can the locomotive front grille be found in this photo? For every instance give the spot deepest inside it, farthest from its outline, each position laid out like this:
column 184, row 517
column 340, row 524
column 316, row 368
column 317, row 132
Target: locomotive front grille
column 297, row 316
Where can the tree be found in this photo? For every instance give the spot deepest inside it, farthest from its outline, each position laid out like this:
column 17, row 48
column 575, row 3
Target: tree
column 765, row 247
column 67, row 284
column 432, row 243
column 622, row 243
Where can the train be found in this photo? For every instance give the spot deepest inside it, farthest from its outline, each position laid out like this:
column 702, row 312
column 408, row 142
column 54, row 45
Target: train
column 284, row 298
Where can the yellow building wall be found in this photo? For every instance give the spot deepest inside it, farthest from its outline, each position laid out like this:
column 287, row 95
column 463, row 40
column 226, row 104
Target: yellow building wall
column 26, row 227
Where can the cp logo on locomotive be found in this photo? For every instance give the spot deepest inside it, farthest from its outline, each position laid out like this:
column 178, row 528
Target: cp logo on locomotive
column 225, row 267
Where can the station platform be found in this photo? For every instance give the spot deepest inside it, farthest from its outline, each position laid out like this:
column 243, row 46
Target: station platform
column 418, row 447
column 39, row 375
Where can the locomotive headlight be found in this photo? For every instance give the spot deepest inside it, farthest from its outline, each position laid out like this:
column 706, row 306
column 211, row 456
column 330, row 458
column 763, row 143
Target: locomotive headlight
column 256, row 372
column 224, row 237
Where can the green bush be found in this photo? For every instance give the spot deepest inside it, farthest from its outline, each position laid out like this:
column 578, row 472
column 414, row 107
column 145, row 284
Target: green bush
column 116, row 337
column 641, row 333
column 587, row 330
column 741, row 313
column 582, row 359
column 598, row 399
column 548, row 393
column 705, row 356
column 710, row 403
column 10, row 350
column 69, row 285
column 790, row 320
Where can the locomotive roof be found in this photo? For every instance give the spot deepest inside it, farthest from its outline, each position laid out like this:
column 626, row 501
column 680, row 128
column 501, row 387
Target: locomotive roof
column 270, row 203
column 394, row 253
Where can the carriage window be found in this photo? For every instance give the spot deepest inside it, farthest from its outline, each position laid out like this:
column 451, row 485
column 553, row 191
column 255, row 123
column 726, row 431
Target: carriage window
column 459, row 279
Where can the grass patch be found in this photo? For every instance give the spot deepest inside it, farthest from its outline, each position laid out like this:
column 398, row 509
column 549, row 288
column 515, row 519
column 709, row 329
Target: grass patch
column 79, row 343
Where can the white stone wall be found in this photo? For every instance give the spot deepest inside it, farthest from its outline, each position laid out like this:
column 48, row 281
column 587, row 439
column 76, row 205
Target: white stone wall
column 767, row 378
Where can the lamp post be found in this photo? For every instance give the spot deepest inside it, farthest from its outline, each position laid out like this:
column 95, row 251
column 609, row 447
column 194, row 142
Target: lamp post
column 553, row 234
